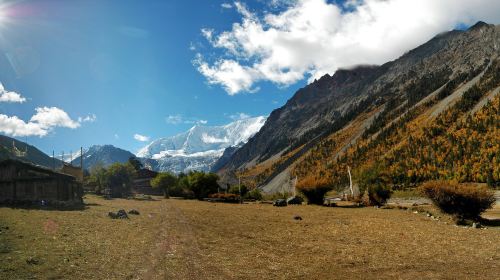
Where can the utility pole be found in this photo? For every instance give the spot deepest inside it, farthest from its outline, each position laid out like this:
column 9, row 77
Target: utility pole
column 53, row 161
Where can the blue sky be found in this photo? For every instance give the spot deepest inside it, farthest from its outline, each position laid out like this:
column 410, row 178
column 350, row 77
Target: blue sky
column 114, row 69
column 130, row 64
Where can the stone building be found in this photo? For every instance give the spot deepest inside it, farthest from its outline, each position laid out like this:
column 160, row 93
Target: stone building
column 22, row 182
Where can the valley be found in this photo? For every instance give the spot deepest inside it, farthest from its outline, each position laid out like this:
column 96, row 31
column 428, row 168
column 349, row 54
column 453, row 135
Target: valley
column 185, row 239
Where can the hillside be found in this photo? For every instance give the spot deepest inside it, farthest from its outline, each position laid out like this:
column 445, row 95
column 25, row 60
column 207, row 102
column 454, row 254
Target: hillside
column 33, row 154
column 310, row 135
column 102, row 154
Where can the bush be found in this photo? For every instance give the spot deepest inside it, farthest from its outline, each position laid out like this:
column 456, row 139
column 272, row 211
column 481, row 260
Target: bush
column 254, row 194
column 314, row 189
column 226, row 197
column 376, row 195
column 464, row 201
column 165, row 181
column 315, row 195
column 235, row 189
column 276, row 195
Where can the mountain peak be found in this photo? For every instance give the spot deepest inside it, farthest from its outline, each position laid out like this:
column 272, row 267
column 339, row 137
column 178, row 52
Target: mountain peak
column 200, row 146
column 479, row 25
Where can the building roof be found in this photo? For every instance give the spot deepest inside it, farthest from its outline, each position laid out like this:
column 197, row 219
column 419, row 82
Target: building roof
column 28, row 165
column 146, row 173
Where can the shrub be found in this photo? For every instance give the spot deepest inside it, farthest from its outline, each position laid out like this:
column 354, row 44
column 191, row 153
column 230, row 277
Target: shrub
column 314, row 189
column 464, row 201
column 376, row 195
column 165, row 181
column 226, row 197
column 315, row 195
column 276, row 195
column 254, row 194
column 235, row 189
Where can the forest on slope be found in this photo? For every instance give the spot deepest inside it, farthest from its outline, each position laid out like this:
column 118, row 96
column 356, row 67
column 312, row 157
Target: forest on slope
column 461, row 143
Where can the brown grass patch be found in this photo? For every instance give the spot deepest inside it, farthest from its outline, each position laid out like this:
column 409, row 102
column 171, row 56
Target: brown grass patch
column 184, row 239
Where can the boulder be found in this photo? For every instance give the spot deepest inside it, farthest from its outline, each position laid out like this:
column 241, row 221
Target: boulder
column 294, row 200
column 32, row 261
column 121, row 214
column 279, row 202
column 133, row 212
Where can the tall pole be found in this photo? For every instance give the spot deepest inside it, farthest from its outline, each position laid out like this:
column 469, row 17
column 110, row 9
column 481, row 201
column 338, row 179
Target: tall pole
column 350, row 181
column 53, row 160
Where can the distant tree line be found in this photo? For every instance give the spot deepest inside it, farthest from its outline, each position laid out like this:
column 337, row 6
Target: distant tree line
column 115, row 180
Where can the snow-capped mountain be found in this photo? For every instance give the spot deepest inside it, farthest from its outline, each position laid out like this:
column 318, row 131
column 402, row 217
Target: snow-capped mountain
column 101, row 154
column 199, row 147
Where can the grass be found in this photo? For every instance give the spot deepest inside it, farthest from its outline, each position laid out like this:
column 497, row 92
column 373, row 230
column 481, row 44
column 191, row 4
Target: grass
column 185, row 239
column 407, row 194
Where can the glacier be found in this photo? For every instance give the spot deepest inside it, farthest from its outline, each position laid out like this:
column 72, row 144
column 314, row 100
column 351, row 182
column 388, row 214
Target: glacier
column 200, row 147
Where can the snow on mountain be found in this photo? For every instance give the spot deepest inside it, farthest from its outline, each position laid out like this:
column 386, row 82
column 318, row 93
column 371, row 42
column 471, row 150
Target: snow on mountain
column 101, row 154
column 201, row 146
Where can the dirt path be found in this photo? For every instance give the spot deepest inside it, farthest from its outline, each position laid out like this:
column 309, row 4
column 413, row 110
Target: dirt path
column 177, row 255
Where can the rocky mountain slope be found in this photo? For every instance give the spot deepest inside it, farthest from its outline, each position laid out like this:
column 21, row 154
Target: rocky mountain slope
column 102, row 154
column 199, row 148
column 334, row 113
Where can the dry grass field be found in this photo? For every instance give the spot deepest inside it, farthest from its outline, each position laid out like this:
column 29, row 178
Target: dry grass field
column 183, row 239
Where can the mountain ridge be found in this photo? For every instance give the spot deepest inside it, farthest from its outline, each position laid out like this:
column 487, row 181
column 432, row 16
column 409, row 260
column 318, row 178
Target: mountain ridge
column 334, row 102
column 201, row 147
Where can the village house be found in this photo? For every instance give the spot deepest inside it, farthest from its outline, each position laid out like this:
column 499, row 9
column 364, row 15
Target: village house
column 22, row 182
column 142, row 183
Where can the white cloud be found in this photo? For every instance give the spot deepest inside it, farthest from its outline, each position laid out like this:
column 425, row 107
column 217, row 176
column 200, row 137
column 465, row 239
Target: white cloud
column 179, row 119
column 309, row 38
column 141, row 138
column 174, row 119
column 10, row 96
column 226, row 5
column 239, row 116
column 89, row 118
column 40, row 124
column 212, row 139
column 48, row 117
column 207, row 33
